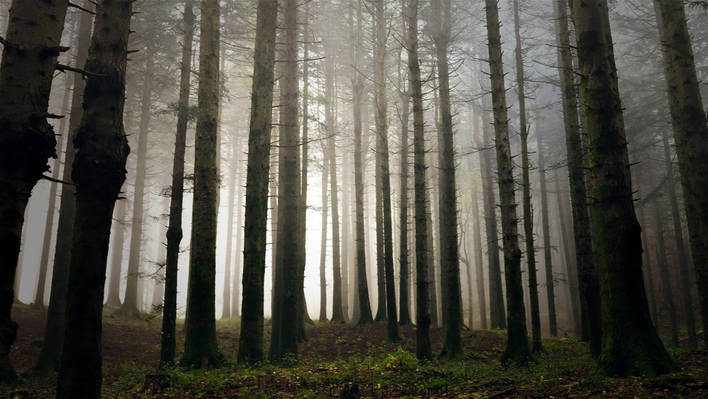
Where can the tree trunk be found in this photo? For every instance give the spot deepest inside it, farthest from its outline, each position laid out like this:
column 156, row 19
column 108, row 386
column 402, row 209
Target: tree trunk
column 449, row 251
column 686, row 286
column 404, row 100
column 423, row 348
column 479, row 263
column 251, row 336
column 236, row 297
column 568, row 254
column 233, row 182
column 54, row 331
column 383, row 157
column 526, row 182
column 133, row 302
column 588, row 279
column 99, row 171
column 517, row 349
column 174, row 230
column 200, row 346
column 547, row 246
column 690, row 134
column 304, row 164
column 364, row 308
column 323, row 242
column 629, row 343
column 667, row 293
column 496, row 292
column 117, row 258
column 286, row 287
column 27, row 141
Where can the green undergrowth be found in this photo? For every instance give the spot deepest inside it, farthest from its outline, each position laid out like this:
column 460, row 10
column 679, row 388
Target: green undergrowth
column 394, row 374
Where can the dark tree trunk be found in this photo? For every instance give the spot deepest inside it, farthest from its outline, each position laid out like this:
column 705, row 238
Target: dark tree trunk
column 250, row 348
column 423, row 348
column 174, row 229
column 690, row 132
column 304, row 160
column 587, row 275
column 27, row 140
column 404, row 100
column 548, row 260
column 54, row 330
column 286, row 287
column 449, row 251
column 364, row 308
column 200, row 346
column 526, row 182
column 496, row 293
column 630, row 343
column 517, row 349
column 99, row 172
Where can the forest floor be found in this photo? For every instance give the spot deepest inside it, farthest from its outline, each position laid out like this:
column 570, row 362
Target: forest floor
column 346, row 361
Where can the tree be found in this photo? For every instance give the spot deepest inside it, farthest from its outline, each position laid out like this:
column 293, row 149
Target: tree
column 174, row 229
column 449, row 251
column 587, row 275
column 479, row 262
column 133, row 301
column 517, row 348
column 200, row 346
column 496, row 294
column 526, row 182
column 113, row 296
column 27, row 140
column 630, row 343
column 323, row 241
column 690, row 135
column 233, row 172
column 383, row 157
column 99, row 172
column 358, row 94
column 250, row 349
column 545, row 225
column 404, row 265
column 49, row 356
column 423, row 349
column 286, row 287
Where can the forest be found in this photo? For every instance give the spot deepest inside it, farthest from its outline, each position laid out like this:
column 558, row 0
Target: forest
column 353, row 199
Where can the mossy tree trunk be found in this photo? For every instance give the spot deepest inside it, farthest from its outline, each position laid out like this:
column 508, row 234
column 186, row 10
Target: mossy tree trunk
column 587, row 275
column 250, row 348
column 200, row 347
column 286, row 288
column 99, row 172
column 174, row 229
column 517, row 348
column 423, row 348
column 630, row 344
column 49, row 355
column 526, row 183
column 690, row 135
column 27, row 140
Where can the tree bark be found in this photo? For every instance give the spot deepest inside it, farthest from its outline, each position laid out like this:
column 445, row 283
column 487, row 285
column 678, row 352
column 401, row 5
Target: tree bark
column 588, row 280
column 479, row 263
column 174, row 230
column 251, row 336
column 49, row 356
column 630, row 343
column 547, row 246
column 323, row 242
column 517, row 349
column 404, row 100
column 423, row 348
column 536, row 344
column 27, row 140
column 690, row 135
column 99, row 171
column 200, row 347
column 132, row 305
column 286, row 287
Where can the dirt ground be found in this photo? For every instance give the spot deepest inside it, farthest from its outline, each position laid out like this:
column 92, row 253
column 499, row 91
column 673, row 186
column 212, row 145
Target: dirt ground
column 350, row 361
